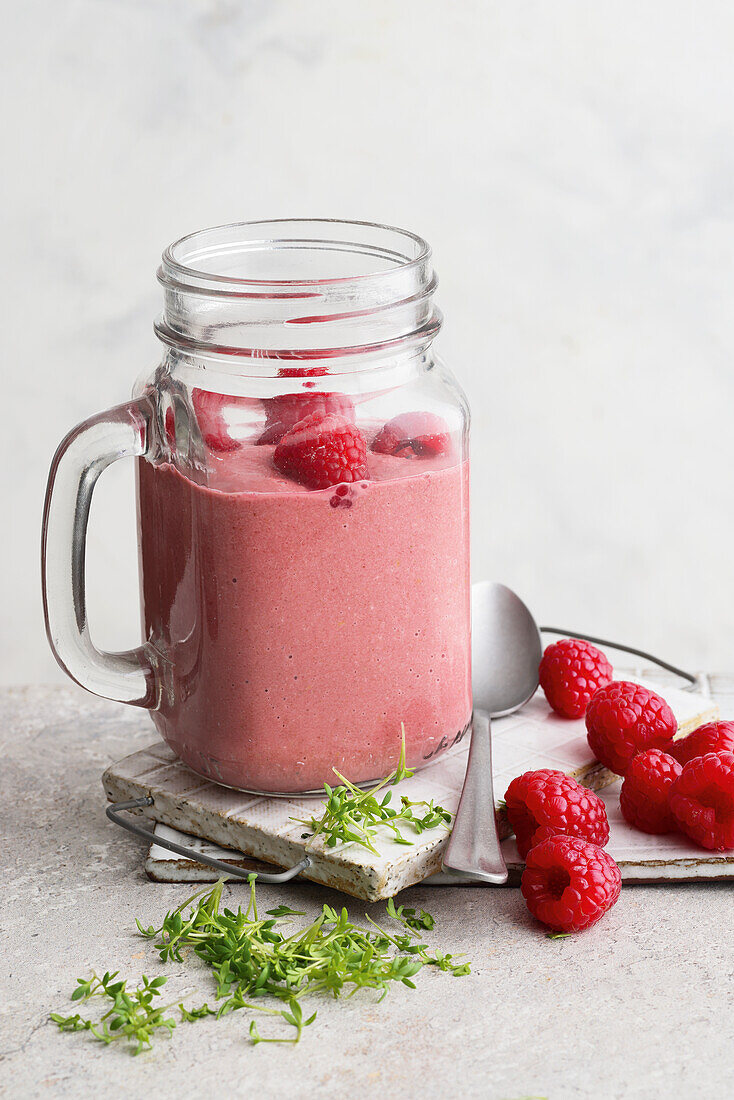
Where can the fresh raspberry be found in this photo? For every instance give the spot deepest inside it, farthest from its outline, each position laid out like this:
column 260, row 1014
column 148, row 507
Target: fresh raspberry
column 209, row 408
column 569, row 883
column 322, row 451
column 702, row 800
column 645, row 795
column 570, row 673
column 413, row 435
column 623, row 719
column 711, row 737
column 287, row 409
column 545, row 803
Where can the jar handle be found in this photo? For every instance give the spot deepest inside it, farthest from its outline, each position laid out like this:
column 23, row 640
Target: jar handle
column 81, row 457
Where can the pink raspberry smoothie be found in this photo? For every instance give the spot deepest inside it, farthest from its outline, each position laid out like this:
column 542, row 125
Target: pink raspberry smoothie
column 297, row 629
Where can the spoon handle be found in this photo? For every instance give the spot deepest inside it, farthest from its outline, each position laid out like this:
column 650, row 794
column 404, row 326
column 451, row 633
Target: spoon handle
column 473, row 848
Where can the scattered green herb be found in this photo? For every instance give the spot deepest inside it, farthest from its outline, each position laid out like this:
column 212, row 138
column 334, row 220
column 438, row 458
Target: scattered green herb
column 351, row 816
column 191, row 1015
column 557, row 935
column 133, row 1016
column 409, row 916
column 253, row 957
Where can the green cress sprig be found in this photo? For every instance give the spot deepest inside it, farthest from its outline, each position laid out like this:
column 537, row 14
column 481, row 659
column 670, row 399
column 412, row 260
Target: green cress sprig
column 132, row 1016
column 254, row 958
column 352, row 816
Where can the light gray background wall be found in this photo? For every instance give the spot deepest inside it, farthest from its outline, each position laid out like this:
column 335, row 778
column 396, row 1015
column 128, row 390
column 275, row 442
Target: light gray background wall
column 572, row 165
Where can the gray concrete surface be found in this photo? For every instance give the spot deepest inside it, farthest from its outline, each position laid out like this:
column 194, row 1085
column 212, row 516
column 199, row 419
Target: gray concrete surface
column 640, row 1006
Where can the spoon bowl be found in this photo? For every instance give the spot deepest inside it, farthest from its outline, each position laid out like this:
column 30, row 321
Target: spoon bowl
column 506, row 648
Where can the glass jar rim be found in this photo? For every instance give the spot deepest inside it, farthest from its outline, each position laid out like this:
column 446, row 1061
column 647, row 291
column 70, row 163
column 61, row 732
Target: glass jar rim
column 181, row 259
column 298, row 288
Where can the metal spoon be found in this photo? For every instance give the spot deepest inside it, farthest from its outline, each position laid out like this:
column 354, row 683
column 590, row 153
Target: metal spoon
column 506, row 652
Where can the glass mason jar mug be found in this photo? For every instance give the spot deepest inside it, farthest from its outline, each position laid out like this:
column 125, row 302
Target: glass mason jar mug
column 303, row 512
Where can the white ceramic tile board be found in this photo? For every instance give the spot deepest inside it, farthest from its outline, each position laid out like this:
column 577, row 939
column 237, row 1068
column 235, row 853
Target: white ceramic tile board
column 641, row 858
column 264, row 827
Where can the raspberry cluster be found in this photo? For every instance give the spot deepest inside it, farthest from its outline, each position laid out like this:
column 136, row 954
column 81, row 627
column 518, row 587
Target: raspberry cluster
column 569, row 882
column 318, row 444
column 660, row 795
column 314, row 432
column 669, row 783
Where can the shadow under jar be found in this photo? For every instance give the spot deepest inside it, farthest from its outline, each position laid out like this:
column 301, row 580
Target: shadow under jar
column 303, row 512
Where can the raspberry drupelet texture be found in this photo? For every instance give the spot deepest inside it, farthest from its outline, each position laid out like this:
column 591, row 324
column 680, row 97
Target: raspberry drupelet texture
column 569, row 883
column 711, row 737
column 645, row 795
column 570, row 672
column 623, row 719
column 544, row 803
column 322, row 451
column 702, row 800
